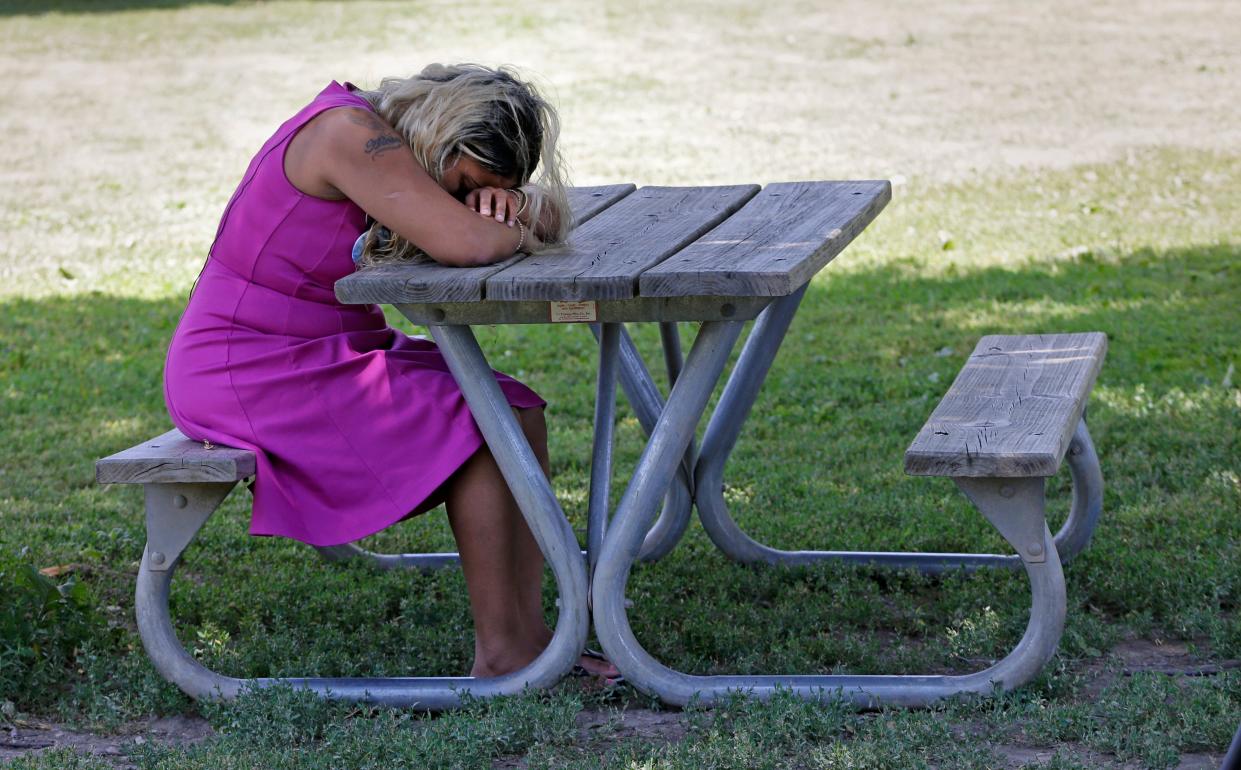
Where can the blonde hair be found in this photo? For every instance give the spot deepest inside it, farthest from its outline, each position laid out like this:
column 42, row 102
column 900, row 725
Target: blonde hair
column 486, row 114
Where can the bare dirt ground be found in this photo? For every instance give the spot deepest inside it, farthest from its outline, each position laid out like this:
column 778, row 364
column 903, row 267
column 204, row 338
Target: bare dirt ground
column 125, row 130
column 35, row 737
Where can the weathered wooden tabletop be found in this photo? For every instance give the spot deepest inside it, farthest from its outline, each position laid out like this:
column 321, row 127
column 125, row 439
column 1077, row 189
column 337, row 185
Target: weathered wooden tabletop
column 645, row 254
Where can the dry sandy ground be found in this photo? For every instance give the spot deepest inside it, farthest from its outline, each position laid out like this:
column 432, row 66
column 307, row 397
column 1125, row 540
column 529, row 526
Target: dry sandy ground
column 660, row 92
column 120, row 130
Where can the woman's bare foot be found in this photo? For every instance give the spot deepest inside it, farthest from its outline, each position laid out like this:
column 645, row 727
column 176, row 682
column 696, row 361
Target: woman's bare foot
column 514, row 656
column 505, row 660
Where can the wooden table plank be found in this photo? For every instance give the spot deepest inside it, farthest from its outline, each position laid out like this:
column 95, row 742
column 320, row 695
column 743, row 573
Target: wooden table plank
column 774, row 244
column 1036, row 384
column 587, row 202
column 606, row 255
column 425, row 280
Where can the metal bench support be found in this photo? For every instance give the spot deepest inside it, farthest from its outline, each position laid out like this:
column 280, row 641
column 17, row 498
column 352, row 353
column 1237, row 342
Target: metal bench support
column 724, row 429
column 647, row 403
column 1011, row 500
column 1016, row 505
column 387, row 561
column 177, row 511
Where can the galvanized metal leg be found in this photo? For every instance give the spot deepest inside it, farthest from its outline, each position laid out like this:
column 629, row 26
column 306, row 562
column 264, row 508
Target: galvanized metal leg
column 424, row 562
column 1232, row 760
column 533, row 492
column 1014, row 505
column 175, row 513
column 647, row 403
column 671, row 340
column 601, row 454
column 724, row 429
column 1074, row 535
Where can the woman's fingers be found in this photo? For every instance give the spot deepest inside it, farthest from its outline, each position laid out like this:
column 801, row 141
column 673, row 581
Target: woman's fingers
column 494, row 202
column 503, row 206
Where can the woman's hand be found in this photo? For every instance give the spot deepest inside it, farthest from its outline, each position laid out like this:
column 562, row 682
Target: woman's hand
column 503, row 205
column 496, row 202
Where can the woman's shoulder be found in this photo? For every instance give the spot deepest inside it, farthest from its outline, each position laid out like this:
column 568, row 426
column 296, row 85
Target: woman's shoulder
column 334, row 95
column 342, row 123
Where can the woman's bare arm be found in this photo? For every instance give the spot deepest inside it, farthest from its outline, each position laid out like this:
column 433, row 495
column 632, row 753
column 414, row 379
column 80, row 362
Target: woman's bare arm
column 356, row 155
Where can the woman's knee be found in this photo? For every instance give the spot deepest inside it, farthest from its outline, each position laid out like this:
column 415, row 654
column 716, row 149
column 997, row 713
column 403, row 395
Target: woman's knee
column 533, row 422
column 534, row 425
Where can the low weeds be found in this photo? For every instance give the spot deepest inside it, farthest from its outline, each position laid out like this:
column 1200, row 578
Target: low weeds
column 280, row 727
column 43, row 627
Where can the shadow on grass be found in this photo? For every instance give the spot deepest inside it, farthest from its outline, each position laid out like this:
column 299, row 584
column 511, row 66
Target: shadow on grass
column 864, row 363
column 818, row 466
column 867, row 340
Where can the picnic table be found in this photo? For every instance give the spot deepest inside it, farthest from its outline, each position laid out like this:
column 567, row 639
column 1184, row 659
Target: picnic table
column 715, row 256
column 718, row 256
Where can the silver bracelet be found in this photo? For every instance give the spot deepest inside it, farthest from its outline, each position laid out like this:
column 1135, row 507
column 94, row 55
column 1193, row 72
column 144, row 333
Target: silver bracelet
column 525, row 198
column 522, row 240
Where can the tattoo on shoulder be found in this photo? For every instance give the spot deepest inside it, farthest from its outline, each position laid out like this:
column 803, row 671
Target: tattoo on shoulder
column 385, row 139
column 378, row 145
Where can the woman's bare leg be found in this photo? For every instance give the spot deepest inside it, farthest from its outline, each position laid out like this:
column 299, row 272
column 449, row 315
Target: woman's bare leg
column 502, row 562
column 481, row 511
column 525, row 549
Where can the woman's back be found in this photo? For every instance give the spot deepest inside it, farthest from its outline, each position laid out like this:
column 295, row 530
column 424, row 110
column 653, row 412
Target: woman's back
column 285, row 247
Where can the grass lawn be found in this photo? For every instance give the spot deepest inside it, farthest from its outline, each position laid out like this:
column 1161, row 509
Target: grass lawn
column 1053, row 172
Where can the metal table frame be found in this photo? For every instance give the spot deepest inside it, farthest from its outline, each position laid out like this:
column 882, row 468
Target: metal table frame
column 670, row 467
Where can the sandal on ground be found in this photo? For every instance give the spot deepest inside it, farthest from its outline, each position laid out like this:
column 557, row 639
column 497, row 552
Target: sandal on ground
column 580, row 671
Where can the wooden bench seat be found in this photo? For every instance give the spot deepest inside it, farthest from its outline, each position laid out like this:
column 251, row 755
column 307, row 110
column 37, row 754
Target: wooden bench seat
column 1012, row 410
column 172, row 458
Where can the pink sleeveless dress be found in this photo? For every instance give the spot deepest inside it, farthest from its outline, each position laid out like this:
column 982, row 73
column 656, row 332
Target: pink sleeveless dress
column 354, row 424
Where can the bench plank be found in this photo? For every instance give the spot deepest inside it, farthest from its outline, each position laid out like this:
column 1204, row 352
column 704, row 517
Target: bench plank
column 607, row 254
column 174, row 458
column 1012, row 409
column 425, row 280
column 774, row 244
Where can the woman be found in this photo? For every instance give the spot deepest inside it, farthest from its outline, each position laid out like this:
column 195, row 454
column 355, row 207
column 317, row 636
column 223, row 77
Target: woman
column 355, row 425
